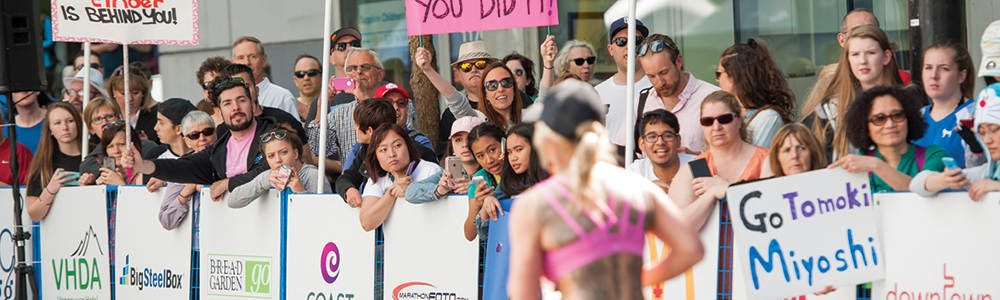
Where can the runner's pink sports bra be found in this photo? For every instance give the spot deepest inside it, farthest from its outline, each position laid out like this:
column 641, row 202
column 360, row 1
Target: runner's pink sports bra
column 600, row 241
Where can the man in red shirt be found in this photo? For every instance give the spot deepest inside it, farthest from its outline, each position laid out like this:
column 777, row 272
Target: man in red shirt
column 23, row 160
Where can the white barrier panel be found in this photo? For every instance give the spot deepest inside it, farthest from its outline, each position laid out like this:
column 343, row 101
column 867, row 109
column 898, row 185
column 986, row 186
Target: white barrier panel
column 74, row 246
column 939, row 248
column 145, row 269
column 426, row 254
column 324, row 229
column 240, row 248
column 799, row 237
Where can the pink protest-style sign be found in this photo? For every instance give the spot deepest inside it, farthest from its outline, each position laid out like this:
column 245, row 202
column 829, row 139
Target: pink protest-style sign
column 127, row 22
column 446, row 16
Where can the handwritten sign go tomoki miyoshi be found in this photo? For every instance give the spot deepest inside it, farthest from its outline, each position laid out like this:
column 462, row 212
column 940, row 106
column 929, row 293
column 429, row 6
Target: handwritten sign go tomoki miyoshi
column 446, row 16
column 152, row 22
column 798, row 234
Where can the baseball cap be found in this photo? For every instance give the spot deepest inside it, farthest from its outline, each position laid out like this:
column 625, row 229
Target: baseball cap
column 571, row 103
column 175, row 109
column 622, row 24
column 464, row 124
column 342, row 32
column 990, row 45
column 390, row 87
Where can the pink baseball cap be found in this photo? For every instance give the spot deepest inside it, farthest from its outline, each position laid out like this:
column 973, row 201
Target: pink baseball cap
column 464, row 124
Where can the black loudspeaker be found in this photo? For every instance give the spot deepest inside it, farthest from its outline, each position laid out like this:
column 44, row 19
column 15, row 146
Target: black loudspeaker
column 21, row 62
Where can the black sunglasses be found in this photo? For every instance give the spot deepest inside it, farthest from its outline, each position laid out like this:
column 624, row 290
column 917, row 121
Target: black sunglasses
column 194, row 135
column 311, row 73
column 723, row 119
column 880, row 118
column 622, row 41
column 580, row 61
column 719, row 74
column 343, row 46
column 518, row 72
column 206, row 85
column 493, row 84
column 654, row 47
column 92, row 65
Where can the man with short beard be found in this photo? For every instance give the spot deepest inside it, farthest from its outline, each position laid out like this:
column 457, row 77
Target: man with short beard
column 659, row 140
column 235, row 157
column 673, row 89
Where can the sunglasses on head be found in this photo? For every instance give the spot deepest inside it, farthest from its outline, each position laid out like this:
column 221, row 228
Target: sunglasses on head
column 493, row 84
column 238, row 80
column 343, row 46
column 278, row 134
column 880, row 118
column 119, row 123
column 723, row 119
column 467, row 66
column 311, row 73
column 653, row 47
column 131, row 71
column 622, row 41
column 194, row 135
column 588, row 60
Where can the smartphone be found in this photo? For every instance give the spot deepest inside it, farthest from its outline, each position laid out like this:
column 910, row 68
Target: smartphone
column 965, row 131
column 699, row 168
column 454, row 165
column 285, row 171
column 949, row 163
column 342, row 83
column 478, row 181
column 72, row 175
column 109, row 162
column 410, row 168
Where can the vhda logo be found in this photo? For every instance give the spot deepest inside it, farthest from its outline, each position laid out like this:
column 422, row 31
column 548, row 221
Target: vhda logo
column 148, row 278
column 85, row 274
column 329, row 264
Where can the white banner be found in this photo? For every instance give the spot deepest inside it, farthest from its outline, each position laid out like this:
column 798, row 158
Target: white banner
column 161, row 22
column 324, row 229
column 799, row 237
column 146, row 270
column 74, row 245
column 426, row 255
column 939, row 248
column 240, row 248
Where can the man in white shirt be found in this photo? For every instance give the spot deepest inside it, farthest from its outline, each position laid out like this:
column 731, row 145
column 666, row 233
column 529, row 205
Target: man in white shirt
column 247, row 50
column 613, row 90
column 659, row 141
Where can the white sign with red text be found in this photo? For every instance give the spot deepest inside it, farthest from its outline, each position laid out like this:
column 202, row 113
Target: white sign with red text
column 151, row 22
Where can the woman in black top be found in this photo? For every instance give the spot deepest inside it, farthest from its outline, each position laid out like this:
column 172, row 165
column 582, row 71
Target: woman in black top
column 57, row 157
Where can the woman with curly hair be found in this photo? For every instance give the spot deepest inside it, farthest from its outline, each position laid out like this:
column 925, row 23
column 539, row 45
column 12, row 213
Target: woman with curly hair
column 748, row 71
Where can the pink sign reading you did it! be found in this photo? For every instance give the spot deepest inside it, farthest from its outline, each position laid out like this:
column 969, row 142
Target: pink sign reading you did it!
column 447, row 16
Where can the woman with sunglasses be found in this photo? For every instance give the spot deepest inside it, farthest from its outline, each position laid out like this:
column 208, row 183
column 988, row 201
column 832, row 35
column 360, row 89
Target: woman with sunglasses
column 503, row 102
column 141, row 104
column 730, row 159
column 113, row 143
column 29, row 117
column 576, row 57
column 949, row 80
column 524, row 73
column 867, row 61
column 199, row 128
column 282, row 149
column 748, row 71
column 882, row 122
column 392, row 163
column 57, row 161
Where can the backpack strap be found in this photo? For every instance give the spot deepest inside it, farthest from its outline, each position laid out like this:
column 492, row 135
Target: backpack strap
column 643, row 95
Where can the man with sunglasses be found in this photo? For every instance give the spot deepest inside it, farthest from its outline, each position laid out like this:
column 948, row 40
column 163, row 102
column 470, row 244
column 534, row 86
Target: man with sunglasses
column 307, row 79
column 73, row 91
column 248, row 50
column 233, row 160
column 672, row 89
column 613, row 90
column 341, row 42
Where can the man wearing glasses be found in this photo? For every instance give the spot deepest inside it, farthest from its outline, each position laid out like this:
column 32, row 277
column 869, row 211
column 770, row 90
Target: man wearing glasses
column 672, row 89
column 307, row 76
column 341, row 41
column 613, row 90
column 248, row 50
column 73, row 93
column 235, row 157
column 659, row 140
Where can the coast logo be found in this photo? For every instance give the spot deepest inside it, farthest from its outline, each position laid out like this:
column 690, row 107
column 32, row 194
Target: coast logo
column 165, row 278
column 423, row 293
column 239, row 275
column 84, row 271
column 329, row 262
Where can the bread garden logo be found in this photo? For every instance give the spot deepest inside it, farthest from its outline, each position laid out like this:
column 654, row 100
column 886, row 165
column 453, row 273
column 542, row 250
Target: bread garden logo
column 420, row 290
column 149, row 278
column 80, row 271
column 239, row 275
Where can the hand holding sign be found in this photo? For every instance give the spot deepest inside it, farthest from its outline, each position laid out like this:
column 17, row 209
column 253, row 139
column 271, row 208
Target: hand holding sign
column 548, row 50
column 423, row 58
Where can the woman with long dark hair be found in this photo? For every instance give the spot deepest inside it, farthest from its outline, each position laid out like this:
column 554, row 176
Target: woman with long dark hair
column 521, row 168
column 748, row 71
column 388, row 162
column 57, row 160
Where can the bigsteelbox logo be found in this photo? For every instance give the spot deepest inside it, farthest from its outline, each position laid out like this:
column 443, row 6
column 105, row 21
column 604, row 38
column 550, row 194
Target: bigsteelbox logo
column 329, row 264
column 147, row 277
column 83, row 269
column 239, row 275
